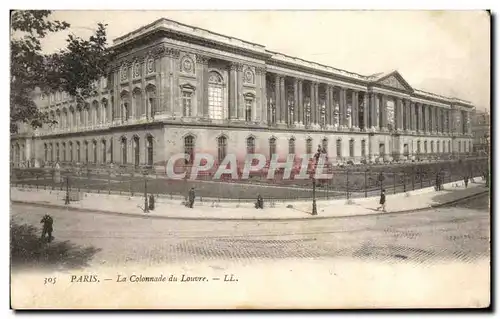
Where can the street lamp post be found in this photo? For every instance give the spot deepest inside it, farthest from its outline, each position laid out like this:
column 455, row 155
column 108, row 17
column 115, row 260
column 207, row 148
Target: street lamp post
column 66, row 200
column 314, row 208
column 146, row 208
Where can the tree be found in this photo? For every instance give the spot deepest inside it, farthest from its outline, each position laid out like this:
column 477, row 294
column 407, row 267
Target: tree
column 73, row 69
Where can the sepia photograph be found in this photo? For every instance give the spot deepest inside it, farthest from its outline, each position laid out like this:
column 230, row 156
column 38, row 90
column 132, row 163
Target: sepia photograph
column 319, row 159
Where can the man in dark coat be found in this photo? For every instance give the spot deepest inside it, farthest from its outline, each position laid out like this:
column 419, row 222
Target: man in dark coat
column 438, row 181
column 47, row 227
column 260, row 202
column 382, row 201
column 466, row 181
column 191, row 197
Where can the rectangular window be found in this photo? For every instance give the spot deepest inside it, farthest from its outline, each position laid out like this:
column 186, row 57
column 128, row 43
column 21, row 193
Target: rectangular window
column 186, row 103
column 215, row 102
column 351, row 148
column 363, row 148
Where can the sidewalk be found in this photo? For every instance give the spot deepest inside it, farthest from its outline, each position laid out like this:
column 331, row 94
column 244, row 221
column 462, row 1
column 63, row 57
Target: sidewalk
column 172, row 208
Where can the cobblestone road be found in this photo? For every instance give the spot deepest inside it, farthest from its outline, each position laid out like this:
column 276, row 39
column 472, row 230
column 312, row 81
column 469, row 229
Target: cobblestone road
column 460, row 232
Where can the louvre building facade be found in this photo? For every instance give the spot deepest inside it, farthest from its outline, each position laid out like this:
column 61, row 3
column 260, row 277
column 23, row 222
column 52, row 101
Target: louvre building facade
column 175, row 88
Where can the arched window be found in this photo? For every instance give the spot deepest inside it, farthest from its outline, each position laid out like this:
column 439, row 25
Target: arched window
column 449, row 146
column 189, row 148
column 103, row 151
column 151, row 101
column 216, row 108
column 78, row 157
column 432, row 146
column 309, row 146
column 251, row 145
column 363, row 147
column 351, row 148
column 71, row 151
column 63, row 146
column 86, row 148
column 248, row 109
column 291, row 146
column 45, row 149
column 324, row 146
column 124, row 150
column 418, row 147
column 438, row 147
column 459, row 146
column 104, row 111
column 96, row 110
column 136, row 151
column 137, row 109
column 94, row 150
column 125, row 106
column 272, row 147
column 339, row 147
column 149, row 150
column 221, row 148
column 425, row 147
column 57, row 153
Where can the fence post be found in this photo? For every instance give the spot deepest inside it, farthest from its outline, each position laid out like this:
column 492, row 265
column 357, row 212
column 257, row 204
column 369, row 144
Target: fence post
column 130, row 186
column 404, row 182
column 413, row 180
column 394, row 183
column 347, row 183
column 366, row 183
column 421, row 179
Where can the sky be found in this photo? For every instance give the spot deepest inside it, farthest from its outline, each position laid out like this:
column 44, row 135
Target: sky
column 444, row 52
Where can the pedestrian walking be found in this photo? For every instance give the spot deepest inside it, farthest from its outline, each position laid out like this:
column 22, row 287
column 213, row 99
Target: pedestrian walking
column 466, row 181
column 191, row 197
column 47, row 227
column 260, row 202
column 382, row 201
column 438, row 182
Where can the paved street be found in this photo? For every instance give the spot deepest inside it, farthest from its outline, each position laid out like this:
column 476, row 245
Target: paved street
column 458, row 232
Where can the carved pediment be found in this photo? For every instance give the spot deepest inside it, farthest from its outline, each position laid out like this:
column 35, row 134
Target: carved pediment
column 392, row 81
column 395, row 80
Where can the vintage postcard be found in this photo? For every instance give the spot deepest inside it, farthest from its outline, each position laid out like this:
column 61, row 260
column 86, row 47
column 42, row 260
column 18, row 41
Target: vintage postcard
column 250, row 159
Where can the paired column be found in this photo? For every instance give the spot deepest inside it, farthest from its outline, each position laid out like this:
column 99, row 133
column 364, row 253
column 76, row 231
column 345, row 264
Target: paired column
column 283, row 102
column 296, row 110
column 365, row 111
column 354, row 109
column 277, row 97
column 342, row 107
column 301, row 102
column 328, row 114
column 233, row 112
column 399, row 115
column 412, row 115
column 407, row 115
column 383, row 112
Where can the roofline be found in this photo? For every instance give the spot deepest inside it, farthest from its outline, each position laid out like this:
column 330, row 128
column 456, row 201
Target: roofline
column 185, row 25
column 354, row 75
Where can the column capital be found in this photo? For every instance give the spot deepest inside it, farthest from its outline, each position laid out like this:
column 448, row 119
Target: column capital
column 260, row 70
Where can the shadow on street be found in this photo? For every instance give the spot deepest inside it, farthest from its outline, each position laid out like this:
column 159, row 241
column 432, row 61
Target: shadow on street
column 446, row 196
column 27, row 250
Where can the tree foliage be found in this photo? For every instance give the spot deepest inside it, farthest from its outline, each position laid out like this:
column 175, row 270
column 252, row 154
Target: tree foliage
column 74, row 69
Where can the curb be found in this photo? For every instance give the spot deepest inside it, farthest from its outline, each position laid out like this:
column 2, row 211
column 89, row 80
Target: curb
column 306, row 218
